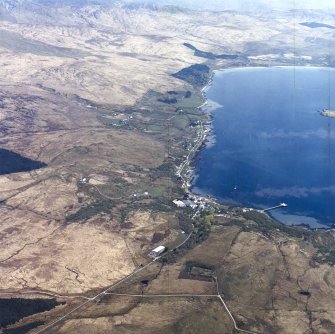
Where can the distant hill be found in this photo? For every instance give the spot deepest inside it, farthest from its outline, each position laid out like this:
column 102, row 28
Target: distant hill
column 244, row 5
column 317, row 25
column 214, row 5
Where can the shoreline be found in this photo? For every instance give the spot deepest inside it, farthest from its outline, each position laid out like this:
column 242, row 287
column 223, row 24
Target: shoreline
column 186, row 171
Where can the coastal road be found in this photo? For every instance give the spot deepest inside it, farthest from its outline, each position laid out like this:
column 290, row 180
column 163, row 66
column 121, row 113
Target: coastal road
column 198, row 141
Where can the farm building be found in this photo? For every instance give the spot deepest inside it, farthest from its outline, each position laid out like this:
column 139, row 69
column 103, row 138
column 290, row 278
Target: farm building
column 157, row 251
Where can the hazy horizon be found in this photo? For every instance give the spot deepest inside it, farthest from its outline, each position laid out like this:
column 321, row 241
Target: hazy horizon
column 214, row 5
column 244, row 5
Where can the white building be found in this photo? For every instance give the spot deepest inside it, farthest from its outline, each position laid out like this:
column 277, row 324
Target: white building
column 157, row 251
column 190, row 203
column 179, row 203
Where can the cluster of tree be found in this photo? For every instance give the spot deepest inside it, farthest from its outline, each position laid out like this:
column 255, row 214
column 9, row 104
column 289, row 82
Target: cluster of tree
column 202, row 228
column 91, row 210
column 209, row 55
column 197, row 75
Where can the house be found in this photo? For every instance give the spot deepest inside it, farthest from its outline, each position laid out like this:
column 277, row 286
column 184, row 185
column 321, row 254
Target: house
column 190, row 203
column 180, row 204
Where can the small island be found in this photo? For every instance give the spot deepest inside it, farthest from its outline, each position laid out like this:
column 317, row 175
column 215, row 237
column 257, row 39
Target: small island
column 328, row 113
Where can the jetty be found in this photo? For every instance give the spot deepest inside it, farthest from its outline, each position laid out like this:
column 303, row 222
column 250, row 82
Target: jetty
column 281, row 205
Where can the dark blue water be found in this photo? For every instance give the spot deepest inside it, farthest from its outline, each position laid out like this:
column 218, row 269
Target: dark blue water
column 272, row 145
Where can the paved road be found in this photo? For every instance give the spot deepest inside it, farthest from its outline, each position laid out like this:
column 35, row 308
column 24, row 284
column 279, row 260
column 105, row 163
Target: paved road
column 106, row 292
column 183, row 295
column 101, row 294
column 198, row 142
column 228, row 311
column 218, row 295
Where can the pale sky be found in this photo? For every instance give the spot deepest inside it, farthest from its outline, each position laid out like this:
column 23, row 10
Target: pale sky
column 247, row 4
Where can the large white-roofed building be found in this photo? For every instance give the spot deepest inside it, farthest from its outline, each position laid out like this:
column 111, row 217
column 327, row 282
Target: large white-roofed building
column 157, row 251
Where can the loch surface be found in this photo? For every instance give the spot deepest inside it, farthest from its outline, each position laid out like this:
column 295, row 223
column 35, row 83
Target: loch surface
column 271, row 144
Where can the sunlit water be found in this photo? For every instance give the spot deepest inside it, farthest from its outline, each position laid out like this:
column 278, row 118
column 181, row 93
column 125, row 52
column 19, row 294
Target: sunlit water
column 271, row 144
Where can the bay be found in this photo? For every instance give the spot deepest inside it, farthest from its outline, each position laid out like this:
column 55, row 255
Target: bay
column 271, row 143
